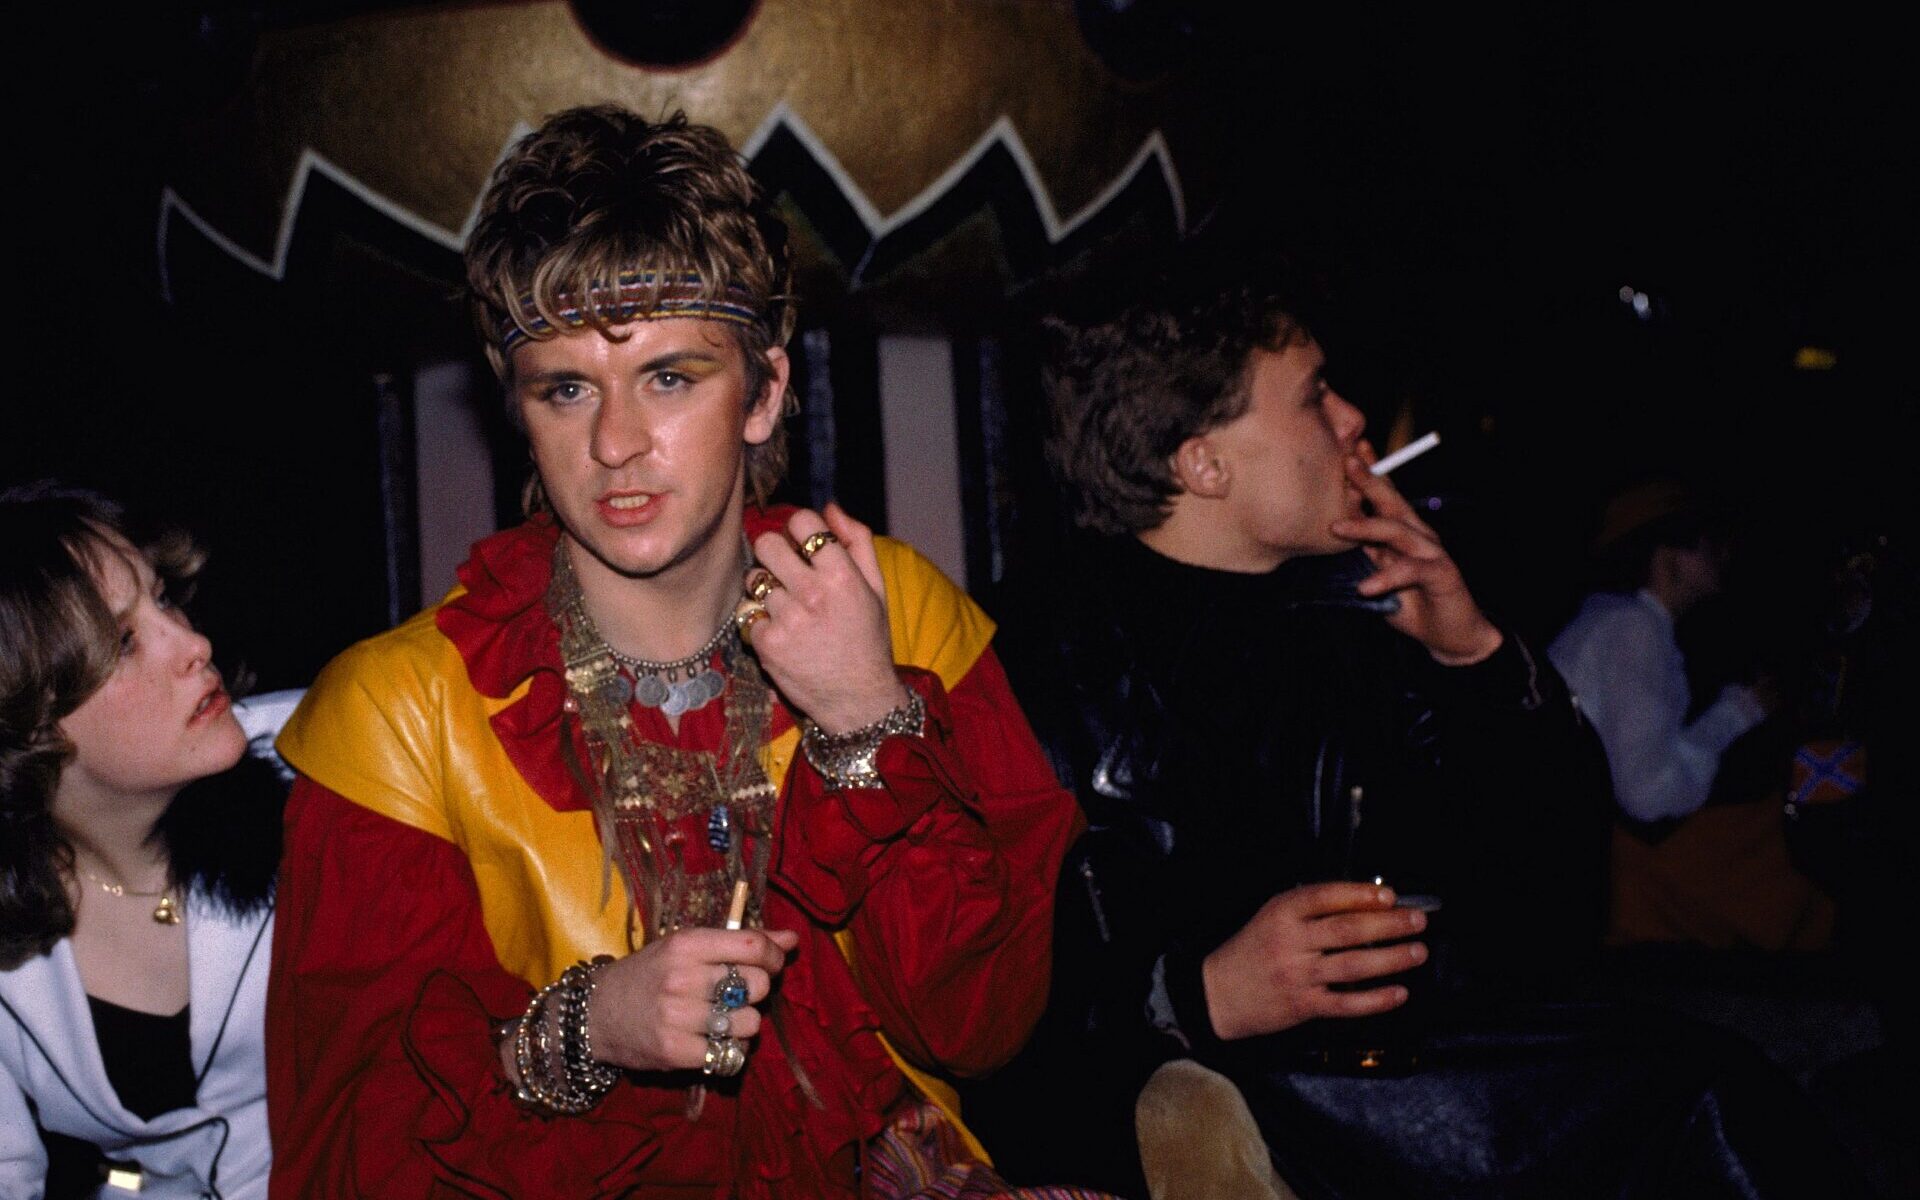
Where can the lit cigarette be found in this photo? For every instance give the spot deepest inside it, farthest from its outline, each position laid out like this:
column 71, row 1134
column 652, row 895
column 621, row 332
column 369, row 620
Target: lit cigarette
column 1407, row 453
column 737, row 911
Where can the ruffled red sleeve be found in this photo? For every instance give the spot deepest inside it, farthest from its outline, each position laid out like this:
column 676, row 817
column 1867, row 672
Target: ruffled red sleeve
column 382, row 1073
column 944, row 875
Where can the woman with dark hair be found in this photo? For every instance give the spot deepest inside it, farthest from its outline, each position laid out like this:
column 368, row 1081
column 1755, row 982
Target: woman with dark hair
column 138, row 848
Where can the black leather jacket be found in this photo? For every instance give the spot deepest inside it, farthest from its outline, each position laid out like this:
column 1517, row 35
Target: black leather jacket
column 1231, row 737
column 1223, row 733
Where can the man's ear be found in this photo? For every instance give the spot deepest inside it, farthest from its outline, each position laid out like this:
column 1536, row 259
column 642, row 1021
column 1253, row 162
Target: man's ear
column 1200, row 469
column 765, row 413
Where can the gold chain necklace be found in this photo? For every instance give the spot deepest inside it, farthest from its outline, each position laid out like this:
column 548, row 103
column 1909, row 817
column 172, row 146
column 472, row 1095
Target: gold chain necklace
column 167, row 912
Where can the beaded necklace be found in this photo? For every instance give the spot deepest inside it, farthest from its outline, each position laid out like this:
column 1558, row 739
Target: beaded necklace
column 660, row 684
column 643, row 792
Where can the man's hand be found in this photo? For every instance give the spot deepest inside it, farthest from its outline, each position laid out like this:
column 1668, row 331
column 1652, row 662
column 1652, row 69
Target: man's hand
column 824, row 641
column 1436, row 609
column 649, row 1010
column 1274, row 973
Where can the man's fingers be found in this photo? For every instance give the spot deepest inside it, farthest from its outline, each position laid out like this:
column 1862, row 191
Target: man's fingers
column 1347, row 930
column 858, row 539
column 777, row 554
column 1325, row 1003
column 716, row 949
column 1378, row 489
column 765, row 953
column 1325, row 899
column 682, row 1049
column 1355, row 966
column 782, row 553
column 1397, row 576
column 1384, row 497
column 787, row 940
column 809, row 528
column 1396, row 533
column 741, row 1023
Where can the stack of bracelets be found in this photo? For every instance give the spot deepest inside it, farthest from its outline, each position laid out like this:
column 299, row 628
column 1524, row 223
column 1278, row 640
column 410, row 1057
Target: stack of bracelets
column 846, row 760
column 552, row 1050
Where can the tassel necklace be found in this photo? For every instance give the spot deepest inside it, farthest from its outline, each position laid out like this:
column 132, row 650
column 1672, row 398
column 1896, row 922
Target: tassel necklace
column 644, row 794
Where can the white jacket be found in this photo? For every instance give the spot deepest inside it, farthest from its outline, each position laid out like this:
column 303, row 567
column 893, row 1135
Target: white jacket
column 49, row 1054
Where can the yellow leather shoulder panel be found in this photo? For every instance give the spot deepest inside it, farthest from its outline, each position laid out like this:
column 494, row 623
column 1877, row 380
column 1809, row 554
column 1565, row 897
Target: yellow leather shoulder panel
column 934, row 624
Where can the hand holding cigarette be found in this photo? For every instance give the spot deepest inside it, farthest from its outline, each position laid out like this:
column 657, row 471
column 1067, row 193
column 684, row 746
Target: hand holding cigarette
column 1436, row 609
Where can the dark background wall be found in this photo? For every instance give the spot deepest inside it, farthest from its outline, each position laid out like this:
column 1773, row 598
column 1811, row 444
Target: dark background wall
column 1473, row 192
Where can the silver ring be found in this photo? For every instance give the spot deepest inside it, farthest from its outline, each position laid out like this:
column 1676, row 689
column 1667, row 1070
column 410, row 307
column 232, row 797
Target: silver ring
column 719, row 1023
column 731, row 992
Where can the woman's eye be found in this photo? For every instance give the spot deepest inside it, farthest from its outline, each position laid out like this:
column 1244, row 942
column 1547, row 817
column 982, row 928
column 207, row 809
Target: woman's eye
column 672, row 380
column 126, row 643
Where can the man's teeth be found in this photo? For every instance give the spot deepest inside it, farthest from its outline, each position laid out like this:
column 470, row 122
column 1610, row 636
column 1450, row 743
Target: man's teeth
column 627, row 501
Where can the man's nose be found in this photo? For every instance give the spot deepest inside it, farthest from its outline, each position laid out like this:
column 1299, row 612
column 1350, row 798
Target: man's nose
column 1349, row 422
column 622, row 431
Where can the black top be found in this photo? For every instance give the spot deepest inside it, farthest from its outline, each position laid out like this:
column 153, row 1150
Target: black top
column 149, row 1061
column 149, row 1058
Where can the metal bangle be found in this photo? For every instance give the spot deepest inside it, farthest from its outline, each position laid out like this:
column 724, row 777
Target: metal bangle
column 846, row 760
column 564, row 1077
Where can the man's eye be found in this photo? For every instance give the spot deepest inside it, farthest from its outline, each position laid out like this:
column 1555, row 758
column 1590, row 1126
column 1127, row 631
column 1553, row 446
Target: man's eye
column 565, row 393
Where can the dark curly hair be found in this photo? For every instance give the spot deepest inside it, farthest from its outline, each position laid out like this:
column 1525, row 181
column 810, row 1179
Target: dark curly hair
column 59, row 642
column 600, row 191
column 1136, row 364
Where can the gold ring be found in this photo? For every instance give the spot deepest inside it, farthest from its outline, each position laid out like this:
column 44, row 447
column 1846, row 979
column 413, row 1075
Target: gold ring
column 725, row 1056
column 815, row 543
column 762, row 584
column 745, row 615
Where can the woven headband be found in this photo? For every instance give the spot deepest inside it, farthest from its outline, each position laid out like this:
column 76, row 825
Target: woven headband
column 639, row 296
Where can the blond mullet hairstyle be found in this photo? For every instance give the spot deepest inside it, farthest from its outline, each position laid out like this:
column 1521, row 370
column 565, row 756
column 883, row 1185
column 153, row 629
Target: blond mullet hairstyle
column 598, row 193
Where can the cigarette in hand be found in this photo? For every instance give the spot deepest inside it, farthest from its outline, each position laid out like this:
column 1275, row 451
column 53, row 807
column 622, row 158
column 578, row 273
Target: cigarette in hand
column 737, row 911
column 1407, row 453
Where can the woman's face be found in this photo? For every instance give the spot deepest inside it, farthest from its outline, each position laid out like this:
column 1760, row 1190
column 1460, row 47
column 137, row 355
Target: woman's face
column 163, row 718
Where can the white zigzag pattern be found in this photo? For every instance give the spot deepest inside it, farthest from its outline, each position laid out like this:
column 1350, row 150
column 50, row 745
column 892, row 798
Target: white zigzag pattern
column 1152, row 150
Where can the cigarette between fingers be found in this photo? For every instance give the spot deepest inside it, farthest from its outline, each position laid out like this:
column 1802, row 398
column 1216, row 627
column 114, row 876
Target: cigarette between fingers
column 1407, row 453
column 737, row 911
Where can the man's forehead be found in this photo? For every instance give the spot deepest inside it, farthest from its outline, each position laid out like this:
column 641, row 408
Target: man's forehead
column 1306, row 352
column 1301, row 357
column 635, row 340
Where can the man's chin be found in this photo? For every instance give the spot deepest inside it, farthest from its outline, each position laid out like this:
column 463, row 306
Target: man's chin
column 628, row 562
column 651, row 557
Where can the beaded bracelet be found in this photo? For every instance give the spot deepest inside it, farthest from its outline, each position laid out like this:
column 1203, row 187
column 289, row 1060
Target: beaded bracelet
column 563, row 1078
column 584, row 1072
column 846, row 760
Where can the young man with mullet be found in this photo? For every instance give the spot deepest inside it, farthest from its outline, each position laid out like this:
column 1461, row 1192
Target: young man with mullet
column 687, row 845
column 1284, row 711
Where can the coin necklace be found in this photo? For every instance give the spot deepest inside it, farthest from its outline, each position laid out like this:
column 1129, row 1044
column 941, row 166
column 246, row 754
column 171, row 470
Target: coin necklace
column 681, row 685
